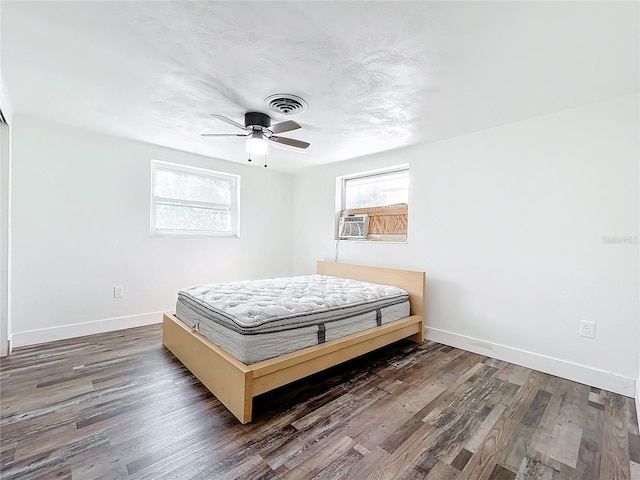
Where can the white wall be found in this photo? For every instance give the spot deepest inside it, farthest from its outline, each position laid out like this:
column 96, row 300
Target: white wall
column 81, row 226
column 509, row 223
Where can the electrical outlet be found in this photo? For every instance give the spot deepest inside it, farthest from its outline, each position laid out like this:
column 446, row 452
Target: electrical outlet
column 587, row 329
column 118, row 292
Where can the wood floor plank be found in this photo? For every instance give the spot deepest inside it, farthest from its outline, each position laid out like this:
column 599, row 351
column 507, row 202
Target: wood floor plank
column 631, row 415
column 341, row 466
column 478, row 436
column 404, row 458
column 442, row 471
column 118, row 406
column 501, row 473
column 104, row 466
column 328, row 454
column 373, row 429
column 519, row 445
column 485, row 459
column 614, row 464
column 634, row 447
column 588, row 467
column 462, row 459
column 514, row 374
column 564, row 432
column 368, row 463
column 534, row 469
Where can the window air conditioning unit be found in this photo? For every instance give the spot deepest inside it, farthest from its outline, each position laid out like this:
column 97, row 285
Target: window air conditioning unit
column 353, row 226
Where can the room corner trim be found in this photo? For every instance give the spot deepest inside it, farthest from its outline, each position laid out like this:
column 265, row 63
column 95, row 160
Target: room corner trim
column 5, row 103
column 33, row 337
column 572, row 371
column 638, row 401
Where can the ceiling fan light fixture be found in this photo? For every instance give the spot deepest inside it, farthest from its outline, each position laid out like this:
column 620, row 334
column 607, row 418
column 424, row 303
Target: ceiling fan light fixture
column 257, row 145
column 259, row 133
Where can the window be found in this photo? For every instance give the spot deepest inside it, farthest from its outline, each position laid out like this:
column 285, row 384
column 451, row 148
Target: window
column 189, row 201
column 382, row 197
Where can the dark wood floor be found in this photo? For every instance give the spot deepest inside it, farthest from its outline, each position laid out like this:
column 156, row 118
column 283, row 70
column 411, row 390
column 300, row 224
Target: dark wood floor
column 119, row 405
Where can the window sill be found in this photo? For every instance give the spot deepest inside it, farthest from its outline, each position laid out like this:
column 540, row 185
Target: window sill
column 378, row 239
column 191, row 235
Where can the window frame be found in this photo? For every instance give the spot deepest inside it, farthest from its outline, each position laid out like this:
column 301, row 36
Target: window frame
column 233, row 207
column 341, row 196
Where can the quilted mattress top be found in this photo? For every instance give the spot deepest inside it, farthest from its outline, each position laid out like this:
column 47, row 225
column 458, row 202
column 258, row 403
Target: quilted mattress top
column 280, row 303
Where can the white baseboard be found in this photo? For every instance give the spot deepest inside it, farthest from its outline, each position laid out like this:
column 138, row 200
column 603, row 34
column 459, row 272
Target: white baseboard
column 33, row 337
column 555, row 366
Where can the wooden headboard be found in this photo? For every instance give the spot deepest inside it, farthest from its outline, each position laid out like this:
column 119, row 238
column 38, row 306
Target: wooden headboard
column 411, row 281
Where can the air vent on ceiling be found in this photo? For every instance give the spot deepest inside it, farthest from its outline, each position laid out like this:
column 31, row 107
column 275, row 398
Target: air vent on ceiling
column 286, row 104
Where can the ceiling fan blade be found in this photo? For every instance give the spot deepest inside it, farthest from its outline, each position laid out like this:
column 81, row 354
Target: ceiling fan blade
column 225, row 134
column 287, row 148
column 284, row 126
column 288, row 141
column 229, row 121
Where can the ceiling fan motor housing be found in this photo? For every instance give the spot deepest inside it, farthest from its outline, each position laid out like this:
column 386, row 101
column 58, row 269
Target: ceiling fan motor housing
column 257, row 119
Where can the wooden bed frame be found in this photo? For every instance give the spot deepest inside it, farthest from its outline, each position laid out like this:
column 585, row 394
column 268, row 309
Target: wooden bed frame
column 235, row 383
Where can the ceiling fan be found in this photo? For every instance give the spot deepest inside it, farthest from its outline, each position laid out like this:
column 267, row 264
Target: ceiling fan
column 259, row 132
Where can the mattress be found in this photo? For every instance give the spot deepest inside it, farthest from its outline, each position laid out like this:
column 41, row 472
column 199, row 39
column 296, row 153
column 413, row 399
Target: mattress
column 262, row 319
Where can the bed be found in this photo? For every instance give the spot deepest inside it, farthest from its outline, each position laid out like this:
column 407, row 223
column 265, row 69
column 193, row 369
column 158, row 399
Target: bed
column 236, row 383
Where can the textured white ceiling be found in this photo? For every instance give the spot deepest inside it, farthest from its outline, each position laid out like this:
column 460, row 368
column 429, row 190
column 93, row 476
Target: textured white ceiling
column 376, row 75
